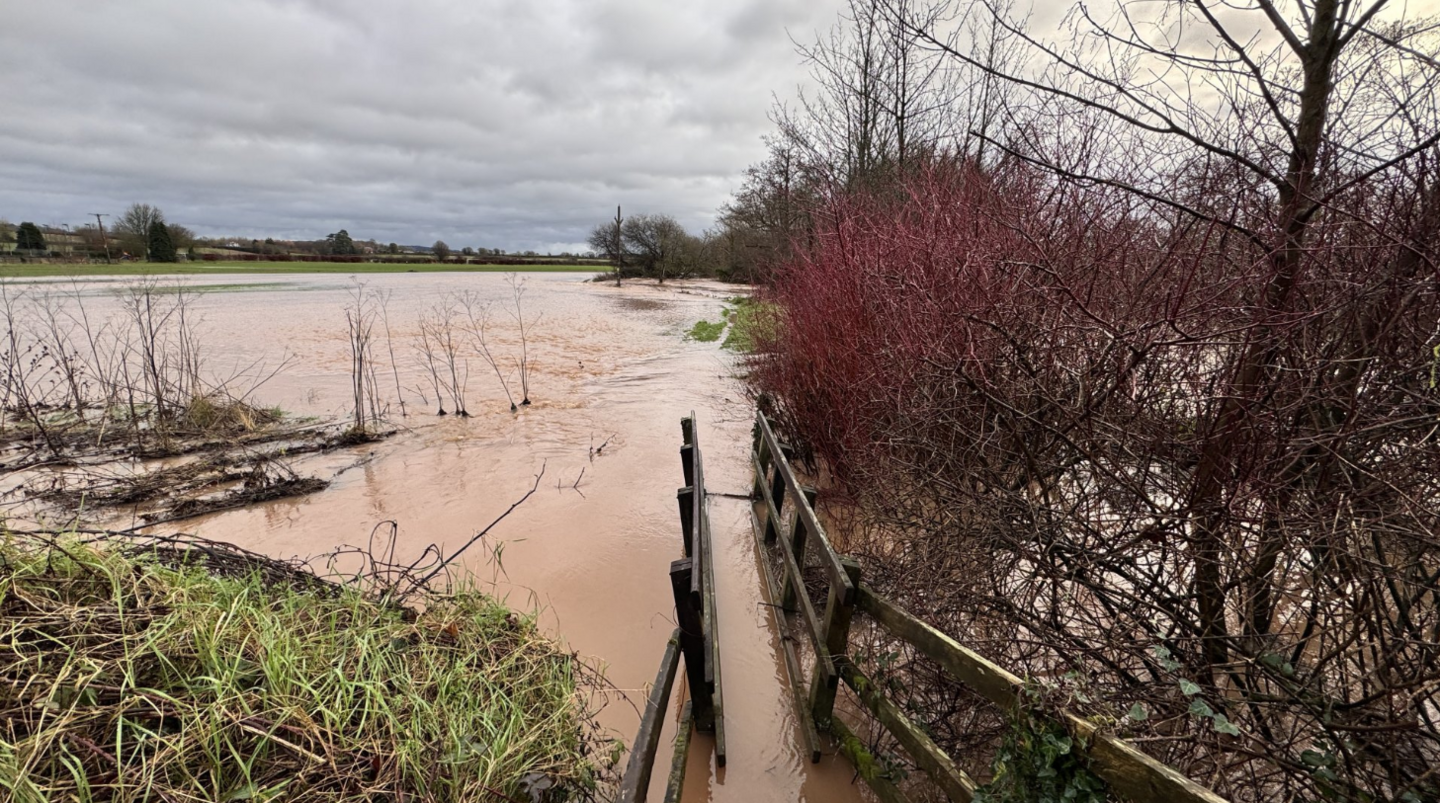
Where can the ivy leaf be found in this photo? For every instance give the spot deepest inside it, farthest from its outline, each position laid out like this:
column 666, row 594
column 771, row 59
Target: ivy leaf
column 1188, row 688
column 1224, row 725
column 1166, row 659
column 1200, row 708
column 1138, row 713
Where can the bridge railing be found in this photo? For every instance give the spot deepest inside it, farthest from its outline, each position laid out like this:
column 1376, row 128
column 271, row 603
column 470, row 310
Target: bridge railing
column 1129, row 772
column 696, row 640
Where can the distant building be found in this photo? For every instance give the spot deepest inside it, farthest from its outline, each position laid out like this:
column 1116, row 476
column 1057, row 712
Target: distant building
column 57, row 241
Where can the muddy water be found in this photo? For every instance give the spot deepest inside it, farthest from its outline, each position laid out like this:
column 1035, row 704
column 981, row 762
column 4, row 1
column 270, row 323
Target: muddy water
column 591, row 548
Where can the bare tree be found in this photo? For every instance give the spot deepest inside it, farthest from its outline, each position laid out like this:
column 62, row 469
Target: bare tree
column 132, row 229
column 477, row 319
column 517, row 313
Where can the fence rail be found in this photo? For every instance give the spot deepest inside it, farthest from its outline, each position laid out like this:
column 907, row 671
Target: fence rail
column 1128, row 771
column 696, row 640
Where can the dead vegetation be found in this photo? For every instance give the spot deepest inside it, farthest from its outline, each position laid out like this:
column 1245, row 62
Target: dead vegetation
column 103, row 415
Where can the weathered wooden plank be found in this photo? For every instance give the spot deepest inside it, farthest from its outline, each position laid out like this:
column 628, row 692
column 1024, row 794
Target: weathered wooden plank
column 967, row 666
column 710, row 610
column 712, row 631
column 801, row 602
column 806, row 512
column 1128, row 771
column 675, row 785
column 635, row 786
column 837, row 640
column 692, row 641
column 927, row 755
column 795, row 545
column 777, row 497
column 852, row 748
column 798, row 693
column 697, row 510
column 760, row 452
column 684, row 497
column 687, row 463
column 772, row 513
column 1134, row 775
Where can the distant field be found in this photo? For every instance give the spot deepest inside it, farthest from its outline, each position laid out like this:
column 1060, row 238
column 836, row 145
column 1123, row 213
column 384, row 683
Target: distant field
column 217, row 268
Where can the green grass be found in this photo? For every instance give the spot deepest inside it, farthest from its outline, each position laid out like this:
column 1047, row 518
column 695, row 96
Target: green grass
column 745, row 322
column 705, row 331
column 128, row 680
column 228, row 287
column 19, row 271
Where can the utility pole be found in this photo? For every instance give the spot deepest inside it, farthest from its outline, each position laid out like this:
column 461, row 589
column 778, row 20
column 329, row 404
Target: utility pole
column 619, row 248
column 103, row 239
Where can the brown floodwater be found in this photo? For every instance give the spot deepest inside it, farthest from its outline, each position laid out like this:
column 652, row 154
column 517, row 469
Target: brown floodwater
column 590, row 551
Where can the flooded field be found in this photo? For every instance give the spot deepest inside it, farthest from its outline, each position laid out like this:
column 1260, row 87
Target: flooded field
column 611, row 375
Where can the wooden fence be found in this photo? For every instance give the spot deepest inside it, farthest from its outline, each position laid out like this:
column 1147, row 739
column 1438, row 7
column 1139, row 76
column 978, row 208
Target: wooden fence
column 1130, row 773
column 696, row 639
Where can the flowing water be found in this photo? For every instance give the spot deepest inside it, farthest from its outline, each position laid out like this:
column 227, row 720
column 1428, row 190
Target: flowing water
column 612, row 375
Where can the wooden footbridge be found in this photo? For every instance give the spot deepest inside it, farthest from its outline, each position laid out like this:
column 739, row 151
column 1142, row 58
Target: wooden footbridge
column 788, row 535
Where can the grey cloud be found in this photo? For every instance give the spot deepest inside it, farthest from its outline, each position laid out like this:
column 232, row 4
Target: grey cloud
column 511, row 124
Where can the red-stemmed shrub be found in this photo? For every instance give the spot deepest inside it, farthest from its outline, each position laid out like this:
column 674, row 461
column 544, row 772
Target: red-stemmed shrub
column 1093, row 436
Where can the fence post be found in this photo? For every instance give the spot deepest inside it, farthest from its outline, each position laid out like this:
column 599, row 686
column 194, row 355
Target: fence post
column 692, row 643
column 686, row 499
column 799, row 536
column 635, row 784
column 762, row 462
column 777, row 494
column 824, row 684
column 687, row 463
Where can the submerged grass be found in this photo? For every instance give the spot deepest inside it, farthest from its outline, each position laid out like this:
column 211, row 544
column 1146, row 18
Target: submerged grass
column 706, row 332
column 745, row 322
column 125, row 679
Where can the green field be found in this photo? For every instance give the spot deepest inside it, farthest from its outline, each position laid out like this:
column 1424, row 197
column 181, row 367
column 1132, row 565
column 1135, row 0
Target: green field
column 220, row 268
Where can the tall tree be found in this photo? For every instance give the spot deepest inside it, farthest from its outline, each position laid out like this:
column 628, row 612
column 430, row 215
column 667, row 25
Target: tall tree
column 442, row 251
column 340, row 244
column 183, row 237
column 132, row 230
column 882, row 95
column 656, row 242
column 161, row 245
column 29, row 238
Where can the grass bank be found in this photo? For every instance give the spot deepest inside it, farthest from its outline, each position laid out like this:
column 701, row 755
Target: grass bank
column 27, row 271
column 744, row 322
column 125, row 678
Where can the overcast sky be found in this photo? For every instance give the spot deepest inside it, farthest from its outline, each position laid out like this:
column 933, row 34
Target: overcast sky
column 516, row 124
column 490, row 123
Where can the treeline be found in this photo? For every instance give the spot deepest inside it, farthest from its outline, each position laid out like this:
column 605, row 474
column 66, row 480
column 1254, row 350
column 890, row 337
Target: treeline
column 142, row 232
column 748, row 239
column 657, row 246
column 1122, row 350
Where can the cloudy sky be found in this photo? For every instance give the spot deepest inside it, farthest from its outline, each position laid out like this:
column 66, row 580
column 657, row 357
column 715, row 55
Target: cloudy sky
column 495, row 123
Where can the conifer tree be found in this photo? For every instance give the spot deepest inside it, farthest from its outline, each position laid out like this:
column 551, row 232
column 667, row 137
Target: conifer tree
column 161, row 245
column 29, row 238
